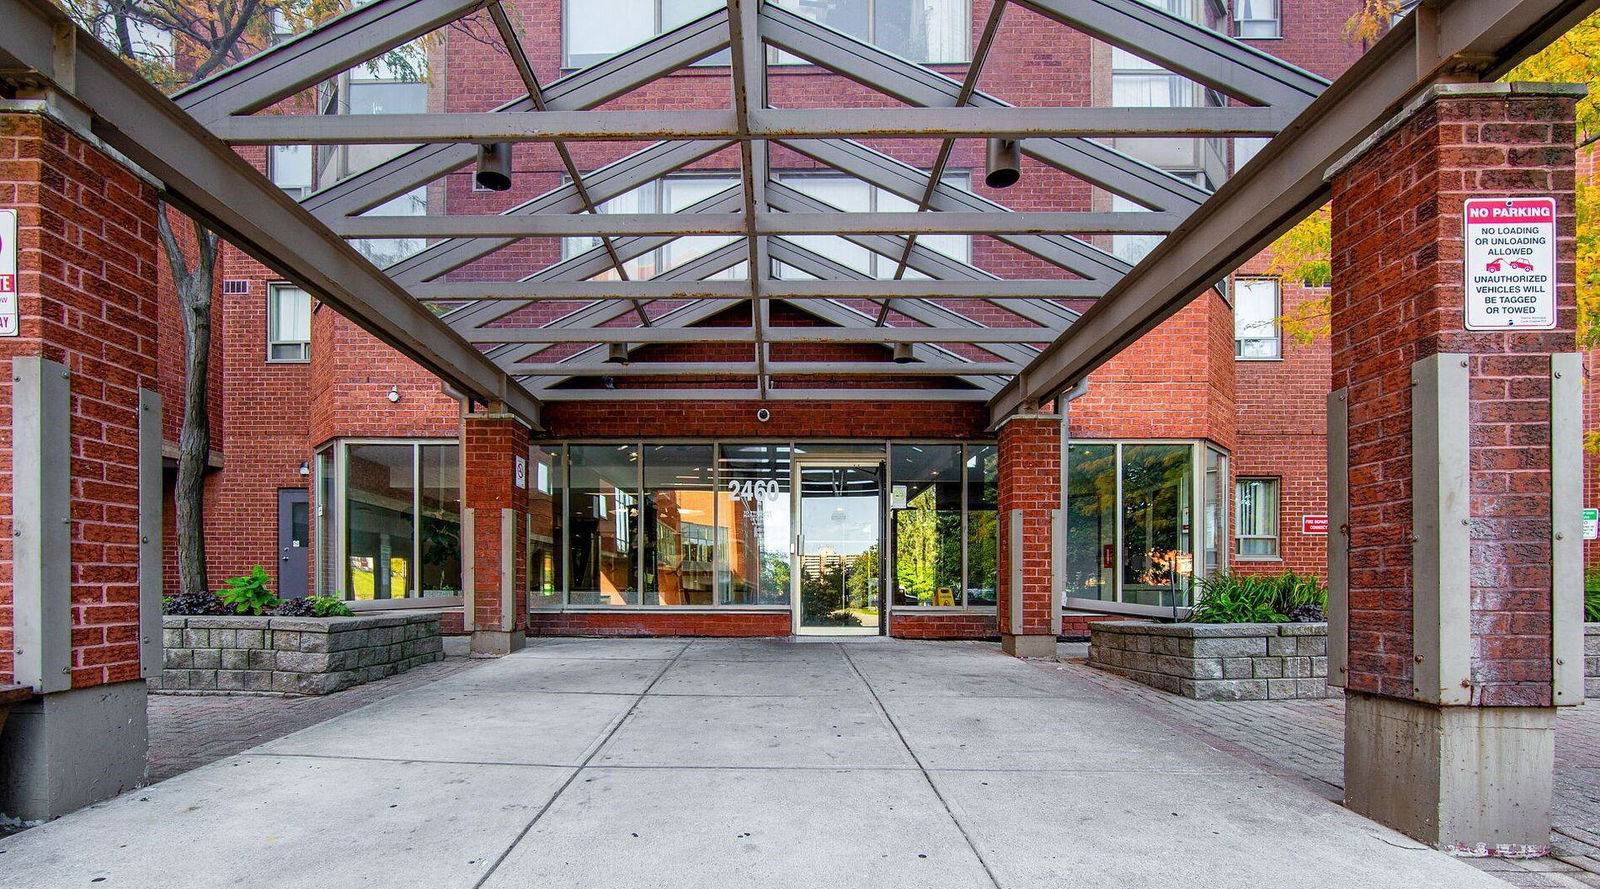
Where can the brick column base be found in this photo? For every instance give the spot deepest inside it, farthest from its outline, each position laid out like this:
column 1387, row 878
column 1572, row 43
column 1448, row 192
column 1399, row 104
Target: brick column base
column 1030, row 494
column 494, row 524
column 1452, row 525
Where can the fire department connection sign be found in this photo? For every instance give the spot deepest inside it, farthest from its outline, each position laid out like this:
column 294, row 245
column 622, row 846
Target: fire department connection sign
column 1511, row 263
column 8, row 273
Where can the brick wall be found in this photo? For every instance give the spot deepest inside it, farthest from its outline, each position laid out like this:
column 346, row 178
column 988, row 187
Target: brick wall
column 1030, row 481
column 1397, row 297
column 87, row 287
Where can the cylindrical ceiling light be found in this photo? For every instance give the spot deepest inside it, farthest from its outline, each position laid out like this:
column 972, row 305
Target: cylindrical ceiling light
column 902, row 353
column 617, row 353
column 494, row 166
column 1003, row 163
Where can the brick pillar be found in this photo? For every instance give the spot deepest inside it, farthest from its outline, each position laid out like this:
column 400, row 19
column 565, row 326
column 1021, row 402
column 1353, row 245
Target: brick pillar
column 494, row 452
column 80, row 468
column 1455, row 493
column 1030, row 489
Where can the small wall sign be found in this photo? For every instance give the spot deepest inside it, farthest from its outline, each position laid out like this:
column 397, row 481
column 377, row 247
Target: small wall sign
column 8, row 273
column 1591, row 524
column 520, row 472
column 1510, row 263
column 1314, row 524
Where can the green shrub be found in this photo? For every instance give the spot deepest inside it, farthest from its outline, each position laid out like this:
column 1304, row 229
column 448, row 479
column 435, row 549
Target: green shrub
column 1591, row 594
column 1259, row 599
column 249, row 594
column 328, row 606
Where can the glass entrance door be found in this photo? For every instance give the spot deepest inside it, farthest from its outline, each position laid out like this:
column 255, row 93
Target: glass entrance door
column 837, row 572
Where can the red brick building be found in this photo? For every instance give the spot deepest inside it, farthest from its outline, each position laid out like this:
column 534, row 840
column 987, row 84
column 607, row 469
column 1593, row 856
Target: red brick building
column 1226, row 417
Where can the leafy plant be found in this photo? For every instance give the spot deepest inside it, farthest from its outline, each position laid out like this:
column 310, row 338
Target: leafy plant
column 313, row 606
column 203, row 602
column 1591, row 594
column 1255, row 598
column 249, row 593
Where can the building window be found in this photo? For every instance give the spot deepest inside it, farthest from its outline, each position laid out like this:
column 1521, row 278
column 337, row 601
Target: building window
column 1255, row 19
column 384, row 252
column 924, row 31
column 392, row 513
column 852, row 195
column 1258, row 518
column 944, row 533
column 1130, row 535
column 290, row 168
column 1255, row 319
column 595, row 30
column 672, row 194
column 288, row 323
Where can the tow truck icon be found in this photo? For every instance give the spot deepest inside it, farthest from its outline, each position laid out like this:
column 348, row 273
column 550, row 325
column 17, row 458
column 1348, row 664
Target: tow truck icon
column 1496, row 264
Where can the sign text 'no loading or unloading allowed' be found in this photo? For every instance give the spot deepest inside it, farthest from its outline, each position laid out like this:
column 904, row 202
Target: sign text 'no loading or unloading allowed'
column 1510, row 263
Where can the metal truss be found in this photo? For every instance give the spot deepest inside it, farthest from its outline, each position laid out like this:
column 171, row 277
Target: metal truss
column 972, row 332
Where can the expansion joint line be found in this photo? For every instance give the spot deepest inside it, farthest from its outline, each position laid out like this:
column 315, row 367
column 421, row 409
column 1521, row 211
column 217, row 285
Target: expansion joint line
column 578, row 770
column 883, row 711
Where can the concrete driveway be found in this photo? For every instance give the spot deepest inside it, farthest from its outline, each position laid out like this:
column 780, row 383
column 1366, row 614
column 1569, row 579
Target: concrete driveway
column 669, row 763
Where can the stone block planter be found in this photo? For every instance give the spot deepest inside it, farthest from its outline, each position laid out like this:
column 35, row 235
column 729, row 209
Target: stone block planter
column 293, row 655
column 1217, row 662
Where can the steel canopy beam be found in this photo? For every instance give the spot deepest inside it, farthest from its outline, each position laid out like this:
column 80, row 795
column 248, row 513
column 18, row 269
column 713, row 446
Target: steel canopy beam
column 766, row 223
column 210, row 180
column 786, row 289
column 307, row 59
column 641, row 336
column 750, row 368
column 1284, row 182
column 766, row 124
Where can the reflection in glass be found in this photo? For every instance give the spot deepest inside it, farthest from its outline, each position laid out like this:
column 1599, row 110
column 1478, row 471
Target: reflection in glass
column 1091, row 521
column 679, row 524
column 926, row 531
column 327, row 553
column 545, row 490
column 379, row 491
column 753, row 522
column 603, row 515
column 1157, row 544
column 983, row 524
column 440, row 501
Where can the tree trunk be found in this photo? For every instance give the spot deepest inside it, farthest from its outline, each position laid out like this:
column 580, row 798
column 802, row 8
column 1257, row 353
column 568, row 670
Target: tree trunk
column 194, row 286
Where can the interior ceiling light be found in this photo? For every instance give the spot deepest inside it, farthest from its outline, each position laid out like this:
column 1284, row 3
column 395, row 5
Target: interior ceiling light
column 1003, row 163
column 494, row 166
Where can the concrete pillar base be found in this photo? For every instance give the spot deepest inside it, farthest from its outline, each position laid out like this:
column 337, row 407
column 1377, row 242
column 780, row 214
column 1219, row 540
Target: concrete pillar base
column 63, row 751
column 495, row 643
column 1466, row 780
column 1029, row 645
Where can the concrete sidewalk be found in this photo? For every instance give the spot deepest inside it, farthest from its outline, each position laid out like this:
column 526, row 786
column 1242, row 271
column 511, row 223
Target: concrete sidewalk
column 663, row 763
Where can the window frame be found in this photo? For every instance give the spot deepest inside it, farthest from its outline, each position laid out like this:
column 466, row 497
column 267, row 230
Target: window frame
column 1275, row 485
column 1239, row 21
column 1277, row 329
column 273, row 289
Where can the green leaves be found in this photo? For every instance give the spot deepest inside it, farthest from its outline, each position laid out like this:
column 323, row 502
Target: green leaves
column 1259, row 599
column 250, row 593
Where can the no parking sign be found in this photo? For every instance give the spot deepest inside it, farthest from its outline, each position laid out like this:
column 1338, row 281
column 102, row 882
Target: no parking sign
column 8, row 273
column 1510, row 263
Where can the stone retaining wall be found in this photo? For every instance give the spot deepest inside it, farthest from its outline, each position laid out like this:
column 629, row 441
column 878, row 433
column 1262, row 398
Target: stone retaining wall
column 1218, row 662
column 294, row 655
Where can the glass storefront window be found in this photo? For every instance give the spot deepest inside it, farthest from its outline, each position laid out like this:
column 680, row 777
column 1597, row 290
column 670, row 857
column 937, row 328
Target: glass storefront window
column 753, row 509
column 440, row 514
column 327, row 551
column 983, row 524
column 546, row 550
column 1131, row 535
column 603, row 513
column 680, row 527
column 1091, row 521
column 925, row 501
column 380, row 491
column 1157, row 517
